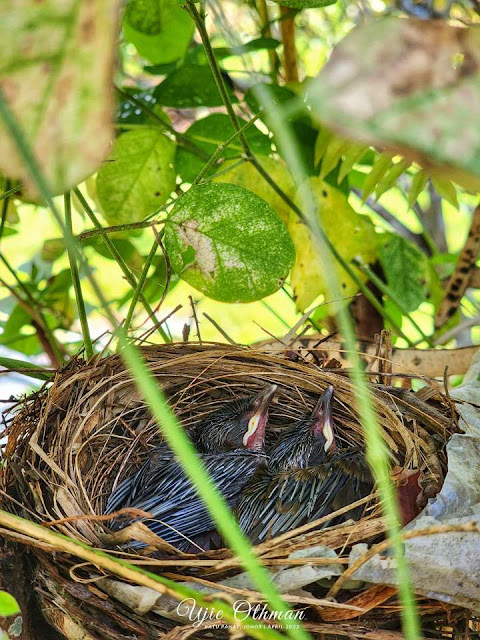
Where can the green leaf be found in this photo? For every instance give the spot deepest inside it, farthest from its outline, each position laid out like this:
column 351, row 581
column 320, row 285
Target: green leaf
column 207, row 134
column 12, row 364
column 160, row 30
column 391, row 177
column 302, row 127
column 352, row 234
column 332, row 155
column 446, row 189
column 228, row 243
column 16, row 320
column 379, row 169
column 8, row 605
column 419, row 181
column 190, row 86
column 352, row 155
column 139, row 177
column 56, row 66
column 406, row 270
column 421, row 109
column 245, row 175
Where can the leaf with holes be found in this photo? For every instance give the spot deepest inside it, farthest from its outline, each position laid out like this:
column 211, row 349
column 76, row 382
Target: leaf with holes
column 409, row 86
column 56, row 62
column 352, row 234
column 139, row 176
column 160, row 30
column 228, row 243
column 406, row 270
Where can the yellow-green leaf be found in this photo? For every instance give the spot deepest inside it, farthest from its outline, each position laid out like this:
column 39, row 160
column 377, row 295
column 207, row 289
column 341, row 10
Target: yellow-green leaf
column 391, row 177
column 446, row 189
column 56, row 62
column 351, row 233
column 419, row 181
column 139, row 176
column 245, row 175
column 379, row 169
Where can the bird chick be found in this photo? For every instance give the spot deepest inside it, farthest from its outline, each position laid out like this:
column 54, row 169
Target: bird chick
column 307, row 477
column 221, row 431
column 178, row 515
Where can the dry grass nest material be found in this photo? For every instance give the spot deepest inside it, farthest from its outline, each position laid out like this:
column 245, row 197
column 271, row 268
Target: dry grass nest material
column 69, row 443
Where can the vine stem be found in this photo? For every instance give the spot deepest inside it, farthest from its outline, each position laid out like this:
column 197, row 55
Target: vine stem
column 139, row 288
column 132, row 281
column 87, row 340
column 287, row 28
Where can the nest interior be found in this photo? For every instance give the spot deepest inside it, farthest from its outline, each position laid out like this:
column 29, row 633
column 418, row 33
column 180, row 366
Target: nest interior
column 72, row 442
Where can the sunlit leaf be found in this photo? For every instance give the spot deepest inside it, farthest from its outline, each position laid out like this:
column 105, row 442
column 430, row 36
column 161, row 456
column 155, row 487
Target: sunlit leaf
column 446, row 189
column 246, row 175
column 228, row 243
column 391, row 177
column 420, row 107
column 352, row 234
column 333, row 154
column 8, row 605
column 190, row 86
column 139, row 176
column 352, row 155
column 160, row 30
column 419, row 181
column 379, row 169
column 210, row 132
column 406, row 270
column 65, row 113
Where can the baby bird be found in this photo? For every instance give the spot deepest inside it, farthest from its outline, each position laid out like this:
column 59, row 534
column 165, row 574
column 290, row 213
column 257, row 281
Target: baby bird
column 178, row 515
column 221, row 431
column 307, row 478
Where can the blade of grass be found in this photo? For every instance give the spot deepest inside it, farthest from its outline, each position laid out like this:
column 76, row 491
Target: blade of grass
column 171, row 428
column 25, row 368
column 376, row 454
column 140, row 284
column 6, row 200
column 77, row 287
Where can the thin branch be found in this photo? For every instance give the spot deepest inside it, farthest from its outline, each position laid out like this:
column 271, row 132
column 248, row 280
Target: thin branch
column 6, row 200
column 132, row 281
column 87, row 341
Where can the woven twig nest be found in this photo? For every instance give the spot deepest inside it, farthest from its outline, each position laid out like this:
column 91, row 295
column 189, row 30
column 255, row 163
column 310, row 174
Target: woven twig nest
column 70, row 443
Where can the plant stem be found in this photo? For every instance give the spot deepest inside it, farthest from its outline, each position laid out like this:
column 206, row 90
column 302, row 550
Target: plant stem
column 287, row 27
column 217, row 74
column 104, row 231
column 140, row 284
column 132, row 281
column 9, row 192
column 6, row 200
column 172, row 430
column 87, row 341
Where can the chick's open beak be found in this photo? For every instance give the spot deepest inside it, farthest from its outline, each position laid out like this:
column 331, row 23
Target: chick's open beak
column 323, row 418
column 258, row 421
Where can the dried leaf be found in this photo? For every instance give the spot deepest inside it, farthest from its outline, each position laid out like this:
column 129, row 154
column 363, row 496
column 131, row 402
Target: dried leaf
column 65, row 113
column 408, row 85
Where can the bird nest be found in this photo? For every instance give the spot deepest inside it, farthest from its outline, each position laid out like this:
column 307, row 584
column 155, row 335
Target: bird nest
column 70, row 443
